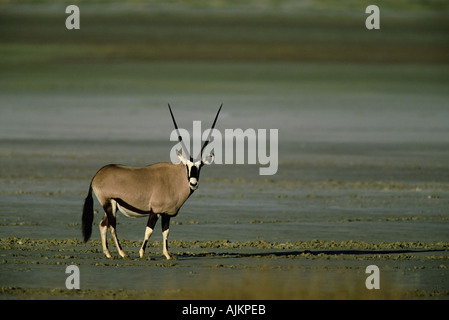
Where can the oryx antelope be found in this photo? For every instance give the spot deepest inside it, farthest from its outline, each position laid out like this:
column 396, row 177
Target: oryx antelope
column 156, row 190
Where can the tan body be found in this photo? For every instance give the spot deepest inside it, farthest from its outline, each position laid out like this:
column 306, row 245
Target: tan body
column 155, row 190
column 130, row 184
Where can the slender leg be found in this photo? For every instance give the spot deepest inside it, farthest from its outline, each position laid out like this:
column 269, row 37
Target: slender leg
column 152, row 219
column 112, row 228
column 103, row 232
column 165, row 229
column 109, row 223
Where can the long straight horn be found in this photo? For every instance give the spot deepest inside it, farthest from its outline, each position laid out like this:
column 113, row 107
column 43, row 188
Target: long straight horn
column 210, row 132
column 186, row 153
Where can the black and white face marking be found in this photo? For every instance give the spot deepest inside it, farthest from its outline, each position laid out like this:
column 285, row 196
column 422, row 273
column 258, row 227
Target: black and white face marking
column 193, row 173
column 193, row 169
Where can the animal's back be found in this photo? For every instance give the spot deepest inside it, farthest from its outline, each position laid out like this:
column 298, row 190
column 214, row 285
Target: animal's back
column 159, row 187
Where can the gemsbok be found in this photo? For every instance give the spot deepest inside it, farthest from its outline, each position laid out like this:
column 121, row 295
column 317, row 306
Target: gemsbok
column 156, row 190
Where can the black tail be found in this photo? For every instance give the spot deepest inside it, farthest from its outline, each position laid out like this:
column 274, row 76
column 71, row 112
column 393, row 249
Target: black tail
column 88, row 215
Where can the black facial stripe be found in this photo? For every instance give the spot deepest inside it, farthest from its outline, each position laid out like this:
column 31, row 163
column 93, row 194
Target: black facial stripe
column 194, row 172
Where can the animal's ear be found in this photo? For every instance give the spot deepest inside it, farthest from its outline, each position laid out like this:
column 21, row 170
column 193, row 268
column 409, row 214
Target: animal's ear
column 209, row 159
column 181, row 157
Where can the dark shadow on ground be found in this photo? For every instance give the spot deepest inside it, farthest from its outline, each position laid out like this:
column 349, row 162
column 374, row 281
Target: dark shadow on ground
column 311, row 252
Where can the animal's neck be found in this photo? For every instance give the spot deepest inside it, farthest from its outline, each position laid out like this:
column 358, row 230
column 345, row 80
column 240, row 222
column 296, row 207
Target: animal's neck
column 183, row 179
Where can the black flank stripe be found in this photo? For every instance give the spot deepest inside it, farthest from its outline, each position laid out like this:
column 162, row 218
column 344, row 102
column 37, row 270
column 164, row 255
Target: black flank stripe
column 130, row 207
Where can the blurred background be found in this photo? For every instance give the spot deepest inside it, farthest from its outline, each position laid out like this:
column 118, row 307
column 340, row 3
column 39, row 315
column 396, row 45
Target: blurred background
column 354, row 107
column 309, row 68
column 363, row 120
